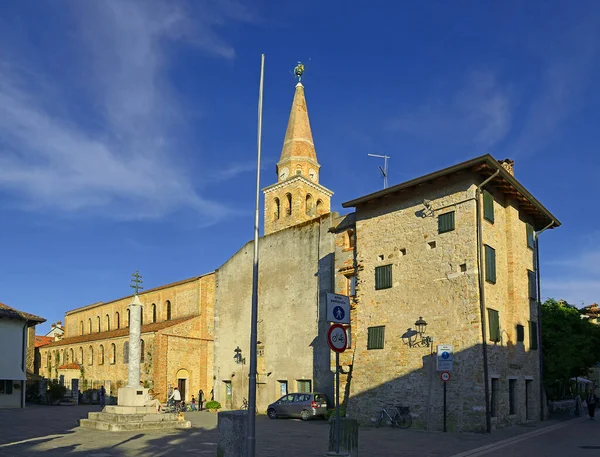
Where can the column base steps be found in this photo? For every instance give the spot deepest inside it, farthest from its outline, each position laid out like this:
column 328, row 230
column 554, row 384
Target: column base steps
column 113, row 421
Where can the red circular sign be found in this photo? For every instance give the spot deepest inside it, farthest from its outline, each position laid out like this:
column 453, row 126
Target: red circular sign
column 337, row 338
column 445, row 376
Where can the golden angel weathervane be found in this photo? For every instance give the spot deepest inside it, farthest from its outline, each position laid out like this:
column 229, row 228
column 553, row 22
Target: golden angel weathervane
column 298, row 70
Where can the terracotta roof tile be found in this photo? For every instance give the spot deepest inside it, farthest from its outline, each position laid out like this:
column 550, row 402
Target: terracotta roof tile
column 12, row 313
column 70, row 366
column 43, row 340
column 148, row 328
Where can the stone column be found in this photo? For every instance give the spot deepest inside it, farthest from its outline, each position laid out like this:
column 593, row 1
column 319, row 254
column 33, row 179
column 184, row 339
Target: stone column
column 135, row 331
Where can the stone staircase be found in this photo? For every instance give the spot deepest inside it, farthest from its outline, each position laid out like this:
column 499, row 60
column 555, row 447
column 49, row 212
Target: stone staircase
column 129, row 418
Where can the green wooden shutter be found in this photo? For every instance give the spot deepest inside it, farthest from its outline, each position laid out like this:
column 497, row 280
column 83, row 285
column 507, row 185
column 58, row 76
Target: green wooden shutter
column 488, row 206
column 376, row 337
column 494, row 323
column 530, row 238
column 532, row 285
column 383, row 277
column 533, row 336
column 490, row 264
column 446, row 222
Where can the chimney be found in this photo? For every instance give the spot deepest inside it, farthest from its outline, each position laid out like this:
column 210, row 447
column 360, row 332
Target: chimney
column 508, row 165
column 53, row 325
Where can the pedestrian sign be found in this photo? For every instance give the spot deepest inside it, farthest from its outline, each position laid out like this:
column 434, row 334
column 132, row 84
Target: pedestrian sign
column 338, row 308
column 445, row 357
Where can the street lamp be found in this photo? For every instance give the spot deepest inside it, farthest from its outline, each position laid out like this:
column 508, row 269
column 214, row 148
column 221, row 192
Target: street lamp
column 238, row 356
column 417, row 338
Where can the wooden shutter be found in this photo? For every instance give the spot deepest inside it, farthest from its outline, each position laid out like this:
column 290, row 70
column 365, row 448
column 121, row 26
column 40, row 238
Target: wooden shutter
column 533, row 336
column 446, row 222
column 532, row 285
column 530, row 238
column 383, row 277
column 376, row 337
column 494, row 323
column 488, row 206
column 490, row 264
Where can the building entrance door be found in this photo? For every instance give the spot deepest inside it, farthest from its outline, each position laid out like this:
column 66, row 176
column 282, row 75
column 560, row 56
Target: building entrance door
column 181, row 384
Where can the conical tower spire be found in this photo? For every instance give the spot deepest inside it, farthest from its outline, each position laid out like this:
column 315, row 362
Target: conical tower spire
column 298, row 143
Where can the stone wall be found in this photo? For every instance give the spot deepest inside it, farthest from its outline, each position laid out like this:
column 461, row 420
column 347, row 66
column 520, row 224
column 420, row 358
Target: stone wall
column 296, row 271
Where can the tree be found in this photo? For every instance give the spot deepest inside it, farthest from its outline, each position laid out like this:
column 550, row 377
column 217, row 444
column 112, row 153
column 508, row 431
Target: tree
column 570, row 344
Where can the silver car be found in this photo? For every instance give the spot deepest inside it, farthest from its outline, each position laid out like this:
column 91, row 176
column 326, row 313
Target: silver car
column 302, row 405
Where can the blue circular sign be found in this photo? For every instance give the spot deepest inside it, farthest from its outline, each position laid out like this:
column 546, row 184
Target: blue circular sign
column 338, row 313
column 445, row 355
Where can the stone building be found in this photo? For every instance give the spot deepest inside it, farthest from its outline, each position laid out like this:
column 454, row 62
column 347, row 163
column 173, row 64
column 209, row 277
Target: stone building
column 459, row 256
column 297, row 268
column 177, row 336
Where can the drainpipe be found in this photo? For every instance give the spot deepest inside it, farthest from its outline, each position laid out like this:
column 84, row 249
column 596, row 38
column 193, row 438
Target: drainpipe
column 539, row 313
column 488, row 417
column 24, row 363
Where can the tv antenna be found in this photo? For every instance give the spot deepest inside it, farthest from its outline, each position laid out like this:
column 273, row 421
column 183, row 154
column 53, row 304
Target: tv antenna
column 384, row 170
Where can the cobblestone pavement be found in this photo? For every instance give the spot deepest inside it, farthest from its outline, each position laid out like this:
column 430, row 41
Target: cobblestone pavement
column 53, row 431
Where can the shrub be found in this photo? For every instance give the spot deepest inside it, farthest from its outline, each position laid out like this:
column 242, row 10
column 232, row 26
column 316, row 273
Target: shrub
column 213, row 405
column 56, row 390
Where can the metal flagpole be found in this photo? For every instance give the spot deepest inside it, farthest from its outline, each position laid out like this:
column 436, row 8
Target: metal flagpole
column 253, row 329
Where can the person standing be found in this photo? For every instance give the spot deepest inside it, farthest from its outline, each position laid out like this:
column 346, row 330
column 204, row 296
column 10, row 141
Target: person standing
column 102, row 395
column 201, row 399
column 592, row 402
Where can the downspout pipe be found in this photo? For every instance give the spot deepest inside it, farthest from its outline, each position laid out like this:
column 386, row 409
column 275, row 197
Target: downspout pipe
column 539, row 313
column 24, row 363
column 486, row 380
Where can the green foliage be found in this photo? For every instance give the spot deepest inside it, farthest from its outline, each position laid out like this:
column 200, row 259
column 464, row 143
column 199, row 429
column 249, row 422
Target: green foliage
column 213, row 405
column 331, row 412
column 56, row 390
column 570, row 344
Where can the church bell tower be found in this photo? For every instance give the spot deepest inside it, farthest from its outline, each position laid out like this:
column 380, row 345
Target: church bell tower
column 297, row 196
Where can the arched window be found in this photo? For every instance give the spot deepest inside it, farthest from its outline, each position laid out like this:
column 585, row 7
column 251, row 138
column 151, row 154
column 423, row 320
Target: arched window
column 142, row 347
column 168, row 310
column 288, row 204
column 309, row 204
column 153, row 312
column 128, row 316
column 80, row 360
column 61, row 359
column 81, row 328
column 319, row 207
column 118, row 320
column 126, row 352
column 350, row 238
column 113, row 353
column 72, row 358
column 91, row 357
column 90, row 325
column 107, row 323
column 99, row 324
column 101, row 361
column 277, row 208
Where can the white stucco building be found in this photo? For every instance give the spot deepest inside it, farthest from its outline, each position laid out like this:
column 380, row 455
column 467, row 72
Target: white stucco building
column 14, row 334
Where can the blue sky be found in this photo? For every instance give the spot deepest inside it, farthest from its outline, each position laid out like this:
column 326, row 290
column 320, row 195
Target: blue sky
column 128, row 129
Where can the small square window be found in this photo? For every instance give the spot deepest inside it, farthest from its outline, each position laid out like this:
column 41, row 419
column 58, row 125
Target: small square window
column 403, row 251
column 383, row 277
column 376, row 337
column 431, row 244
column 463, row 267
column 446, row 222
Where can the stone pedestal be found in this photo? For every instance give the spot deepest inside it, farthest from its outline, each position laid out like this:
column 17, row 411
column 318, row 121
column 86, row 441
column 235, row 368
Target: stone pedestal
column 233, row 433
column 132, row 396
column 348, row 437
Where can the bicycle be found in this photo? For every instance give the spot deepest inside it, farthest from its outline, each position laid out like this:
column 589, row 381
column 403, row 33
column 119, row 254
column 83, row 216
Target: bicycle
column 400, row 417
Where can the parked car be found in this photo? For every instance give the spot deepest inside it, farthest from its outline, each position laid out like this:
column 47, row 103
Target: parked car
column 302, row 405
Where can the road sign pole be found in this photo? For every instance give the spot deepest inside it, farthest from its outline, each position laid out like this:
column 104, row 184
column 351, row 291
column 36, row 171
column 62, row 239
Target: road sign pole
column 337, row 402
column 445, row 384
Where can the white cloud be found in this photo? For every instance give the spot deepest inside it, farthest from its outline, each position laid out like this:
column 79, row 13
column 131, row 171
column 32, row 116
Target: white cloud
column 121, row 161
column 477, row 115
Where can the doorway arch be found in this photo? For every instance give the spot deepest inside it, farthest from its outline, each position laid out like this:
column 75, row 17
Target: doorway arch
column 183, row 377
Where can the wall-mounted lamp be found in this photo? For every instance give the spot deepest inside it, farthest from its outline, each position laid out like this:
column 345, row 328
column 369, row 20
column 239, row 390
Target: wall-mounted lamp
column 238, row 356
column 417, row 338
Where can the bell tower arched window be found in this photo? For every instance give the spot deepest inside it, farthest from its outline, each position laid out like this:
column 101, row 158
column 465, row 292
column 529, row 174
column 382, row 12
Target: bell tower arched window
column 309, row 204
column 90, row 325
column 319, row 207
column 107, row 323
column 118, row 320
column 168, row 310
column 288, row 204
column 277, row 208
column 153, row 312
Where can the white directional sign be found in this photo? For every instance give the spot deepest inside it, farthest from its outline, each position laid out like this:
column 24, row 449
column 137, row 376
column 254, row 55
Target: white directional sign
column 445, row 357
column 338, row 308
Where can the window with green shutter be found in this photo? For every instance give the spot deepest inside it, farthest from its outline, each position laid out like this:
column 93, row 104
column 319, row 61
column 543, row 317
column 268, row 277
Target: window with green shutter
column 532, row 285
column 494, row 324
column 490, row 264
column 533, row 336
column 383, row 277
column 376, row 337
column 530, row 237
column 520, row 333
column 446, row 222
column 488, row 206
